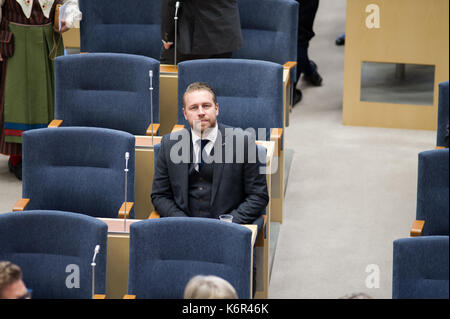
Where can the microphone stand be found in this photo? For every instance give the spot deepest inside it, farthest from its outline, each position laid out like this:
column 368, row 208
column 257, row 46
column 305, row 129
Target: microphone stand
column 127, row 156
column 151, row 101
column 93, row 264
column 177, row 6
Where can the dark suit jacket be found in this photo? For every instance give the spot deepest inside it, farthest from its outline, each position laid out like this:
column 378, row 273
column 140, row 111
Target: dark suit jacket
column 205, row 27
column 238, row 188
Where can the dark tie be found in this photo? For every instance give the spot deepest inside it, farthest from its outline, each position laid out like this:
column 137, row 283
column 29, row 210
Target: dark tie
column 202, row 155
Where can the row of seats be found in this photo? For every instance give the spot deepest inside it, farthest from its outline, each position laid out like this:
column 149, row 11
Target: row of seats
column 158, row 268
column 107, row 27
column 421, row 262
column 111, row 90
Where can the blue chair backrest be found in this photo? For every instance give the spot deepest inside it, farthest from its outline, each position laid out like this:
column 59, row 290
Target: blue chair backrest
column 107, row 90
column 442, row 125
column 269, row 29
column 249, row 92
column 132, row 26
column 420, row 268
column 77, row 169
column 433, row 191
column 54, row 250
column 166, row 253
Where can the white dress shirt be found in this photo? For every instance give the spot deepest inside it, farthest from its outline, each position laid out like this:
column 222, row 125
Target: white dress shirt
column 211, row 135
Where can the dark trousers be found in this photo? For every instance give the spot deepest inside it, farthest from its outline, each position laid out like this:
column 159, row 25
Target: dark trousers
column 307, row 14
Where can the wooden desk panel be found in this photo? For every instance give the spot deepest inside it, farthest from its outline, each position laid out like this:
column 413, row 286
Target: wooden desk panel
column 410, row 32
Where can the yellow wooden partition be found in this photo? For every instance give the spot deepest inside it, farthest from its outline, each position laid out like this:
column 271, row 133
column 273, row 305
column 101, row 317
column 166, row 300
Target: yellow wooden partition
column 394, row 31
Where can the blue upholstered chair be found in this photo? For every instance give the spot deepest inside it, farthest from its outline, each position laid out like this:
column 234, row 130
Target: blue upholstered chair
column 54, row 250
column 250, row 96
column 166, row 253
column 442, row 125
column 249, row 92
column 261, row 274
column 420, row 268
column 77, row 169
column 432, row 194
column 269, row 30
column 109, row 90
column 132, row 26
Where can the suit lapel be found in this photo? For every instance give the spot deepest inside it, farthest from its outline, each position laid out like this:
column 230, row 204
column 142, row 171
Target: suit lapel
column 219, row 162
column 183, row 176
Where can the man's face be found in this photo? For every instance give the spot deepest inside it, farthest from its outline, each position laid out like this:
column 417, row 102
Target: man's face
column 200, row 110
column 15, row 290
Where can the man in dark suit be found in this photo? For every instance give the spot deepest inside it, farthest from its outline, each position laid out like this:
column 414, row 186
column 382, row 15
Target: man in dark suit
column 206, row 29
column 227, row 178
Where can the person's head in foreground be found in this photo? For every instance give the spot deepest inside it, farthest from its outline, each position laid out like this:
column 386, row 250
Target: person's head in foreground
column 11, row 283
column 209, row 287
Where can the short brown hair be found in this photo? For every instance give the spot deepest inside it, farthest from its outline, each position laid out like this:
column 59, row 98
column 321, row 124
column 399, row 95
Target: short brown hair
column 9, row 274
column 199, row 86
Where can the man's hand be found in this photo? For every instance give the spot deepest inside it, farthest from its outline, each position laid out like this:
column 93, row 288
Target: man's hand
column 167, row 45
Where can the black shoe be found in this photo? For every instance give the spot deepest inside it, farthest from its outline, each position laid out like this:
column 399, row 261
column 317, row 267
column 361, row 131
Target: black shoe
column 297, row 96
column 340, row 40
column 313, row 79
column 16, row 170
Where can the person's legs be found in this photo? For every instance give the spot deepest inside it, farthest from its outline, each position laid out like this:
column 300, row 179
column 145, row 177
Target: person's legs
column 307, row 14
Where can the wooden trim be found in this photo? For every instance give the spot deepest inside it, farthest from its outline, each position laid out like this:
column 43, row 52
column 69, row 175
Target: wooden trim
column 260, row 239
column 122, row 209
column 440, row 147
column 289, row 65
column 417, row 228
column 177, row 128
column 129, row 297
column 275, row 135
column 154, row 215
column 55, row 123
column 146, row 141
column 99, row 296
column 167, row 68
column 20, row 205
column 155, row 130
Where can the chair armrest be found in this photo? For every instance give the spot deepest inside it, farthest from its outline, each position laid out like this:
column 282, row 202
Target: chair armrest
column 154, row 215
column 276, row 135
column 99, row 296
column 20, row 205
column 122, row 210
column 417, row 228
column 177, row 128
column 440, row 147
column 129, row 297
column 289, row 65
column 55, row 123
column 260, row 238
column 153, row 131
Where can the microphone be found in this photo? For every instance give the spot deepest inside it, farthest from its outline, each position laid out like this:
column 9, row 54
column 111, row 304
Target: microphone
column 177, row 6
column 93, row 264
column 127, row 157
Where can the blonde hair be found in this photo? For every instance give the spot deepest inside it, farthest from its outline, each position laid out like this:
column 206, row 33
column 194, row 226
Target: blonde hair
column 209, row 287
column 9, row 274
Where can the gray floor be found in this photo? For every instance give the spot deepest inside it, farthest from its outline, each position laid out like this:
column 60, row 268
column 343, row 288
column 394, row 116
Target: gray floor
column 351, row 190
